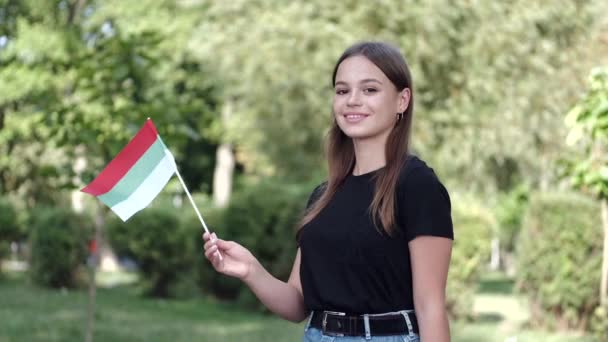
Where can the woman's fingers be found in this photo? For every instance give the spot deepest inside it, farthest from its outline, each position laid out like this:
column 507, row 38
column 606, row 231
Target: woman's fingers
column 210, row 240
column 207, row 236
column 208, row 244
column 225, row 245
column 209, row 251
column 212, row 255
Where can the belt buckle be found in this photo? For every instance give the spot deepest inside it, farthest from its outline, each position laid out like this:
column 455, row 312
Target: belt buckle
column 324, row 322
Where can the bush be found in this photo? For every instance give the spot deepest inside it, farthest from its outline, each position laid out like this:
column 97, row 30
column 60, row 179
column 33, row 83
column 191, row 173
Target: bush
column 202, row 277
column 509, row 213
column 158, row 243
column 599, row 324
column 262, row 217
column 473, row 229
column 58, row 246
column 559, row 259
column 9, row 228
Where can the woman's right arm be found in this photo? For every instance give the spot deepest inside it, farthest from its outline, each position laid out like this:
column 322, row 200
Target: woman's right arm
column 283, row 298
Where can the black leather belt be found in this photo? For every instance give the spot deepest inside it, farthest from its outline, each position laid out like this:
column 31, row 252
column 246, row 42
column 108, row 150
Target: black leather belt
column 340, row 324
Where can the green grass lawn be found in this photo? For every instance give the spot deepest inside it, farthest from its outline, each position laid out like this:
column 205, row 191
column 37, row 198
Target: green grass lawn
column 28, row 313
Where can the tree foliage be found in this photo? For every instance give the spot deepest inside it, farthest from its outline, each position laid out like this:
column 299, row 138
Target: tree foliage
column 588, row 120
column 79, row 78
column 491, row 78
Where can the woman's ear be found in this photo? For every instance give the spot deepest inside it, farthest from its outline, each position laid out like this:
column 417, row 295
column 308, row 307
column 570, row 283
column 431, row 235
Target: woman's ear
column 404, row 99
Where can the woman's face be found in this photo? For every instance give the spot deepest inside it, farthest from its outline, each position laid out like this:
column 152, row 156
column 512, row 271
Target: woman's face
column 366, row 102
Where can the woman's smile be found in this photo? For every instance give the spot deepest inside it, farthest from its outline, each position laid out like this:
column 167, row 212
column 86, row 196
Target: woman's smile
column 354, row 117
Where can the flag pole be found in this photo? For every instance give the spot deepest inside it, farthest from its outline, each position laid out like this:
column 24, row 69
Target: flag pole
column 200, row 217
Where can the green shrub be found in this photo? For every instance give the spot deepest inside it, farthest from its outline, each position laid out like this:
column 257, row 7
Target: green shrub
column 599, row 324
column 509, row 214
column 58, row 246
column 473, row 229
column 9, row 228
column 157, row 242
column 262, row 217
column 559, row 259
column 203, row 278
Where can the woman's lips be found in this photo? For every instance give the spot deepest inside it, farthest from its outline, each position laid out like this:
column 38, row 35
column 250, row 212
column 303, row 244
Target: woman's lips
column 355, row 117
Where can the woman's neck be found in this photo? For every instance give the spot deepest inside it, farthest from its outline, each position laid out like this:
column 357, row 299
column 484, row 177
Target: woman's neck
column 369, row 155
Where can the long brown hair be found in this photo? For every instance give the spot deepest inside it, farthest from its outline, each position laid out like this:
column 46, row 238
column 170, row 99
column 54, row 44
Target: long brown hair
column 340, row 150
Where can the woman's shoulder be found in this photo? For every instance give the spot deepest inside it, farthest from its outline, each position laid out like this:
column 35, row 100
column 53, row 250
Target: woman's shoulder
column 417, row 175
column 316, row 193
column 425, row 206
column 319, row 189
column 415, row 169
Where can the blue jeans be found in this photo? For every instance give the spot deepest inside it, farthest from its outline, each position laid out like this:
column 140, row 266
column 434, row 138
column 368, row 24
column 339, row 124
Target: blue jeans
column 315, row 335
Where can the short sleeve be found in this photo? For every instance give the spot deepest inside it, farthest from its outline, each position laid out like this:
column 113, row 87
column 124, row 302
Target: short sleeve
column 314, row 196
column 424, row 205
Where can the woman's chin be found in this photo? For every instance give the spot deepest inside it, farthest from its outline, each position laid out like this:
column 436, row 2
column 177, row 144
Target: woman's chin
column 357, row 133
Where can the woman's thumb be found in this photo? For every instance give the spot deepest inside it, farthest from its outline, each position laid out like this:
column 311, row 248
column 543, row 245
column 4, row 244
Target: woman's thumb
column 224, row 245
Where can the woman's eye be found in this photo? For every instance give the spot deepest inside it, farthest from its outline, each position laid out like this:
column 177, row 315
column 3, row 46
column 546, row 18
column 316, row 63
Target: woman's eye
column 341, row 91
column 370, row 90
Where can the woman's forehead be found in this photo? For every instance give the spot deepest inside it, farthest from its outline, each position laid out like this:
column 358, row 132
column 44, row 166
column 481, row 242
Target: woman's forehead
column 359, row 69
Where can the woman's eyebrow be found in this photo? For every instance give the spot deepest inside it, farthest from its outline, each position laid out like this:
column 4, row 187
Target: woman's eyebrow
column 366, row 80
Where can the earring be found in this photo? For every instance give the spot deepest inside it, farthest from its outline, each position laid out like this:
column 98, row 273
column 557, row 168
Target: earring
column 399, row 116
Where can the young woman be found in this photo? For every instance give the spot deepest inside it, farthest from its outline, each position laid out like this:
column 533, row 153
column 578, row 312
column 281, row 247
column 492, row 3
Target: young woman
column 374, row 245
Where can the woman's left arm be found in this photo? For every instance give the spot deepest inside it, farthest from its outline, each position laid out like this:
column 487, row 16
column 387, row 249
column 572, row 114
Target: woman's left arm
column 430, row 259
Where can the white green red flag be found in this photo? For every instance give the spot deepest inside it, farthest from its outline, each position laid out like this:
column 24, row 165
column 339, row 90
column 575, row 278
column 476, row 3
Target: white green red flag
column 136, row 175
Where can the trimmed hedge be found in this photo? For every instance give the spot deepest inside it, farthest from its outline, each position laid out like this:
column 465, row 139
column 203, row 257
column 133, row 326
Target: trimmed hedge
column 262, row 218
column 58, row 247
column 158, row 243
column 473, row 229
column 559, row 259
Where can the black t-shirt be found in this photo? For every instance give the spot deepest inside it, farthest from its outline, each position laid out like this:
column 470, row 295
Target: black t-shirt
column 347, row 265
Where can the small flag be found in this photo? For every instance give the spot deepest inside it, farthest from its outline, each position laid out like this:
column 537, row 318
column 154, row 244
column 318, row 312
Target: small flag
column 136, row 175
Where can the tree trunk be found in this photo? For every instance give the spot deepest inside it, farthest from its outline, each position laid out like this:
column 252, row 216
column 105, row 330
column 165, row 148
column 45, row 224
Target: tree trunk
column 2, row 116
column 99, row 223
column 74, row 11
column 604, row 284
column 2, row 171
column 224, row 166
column 495, row 256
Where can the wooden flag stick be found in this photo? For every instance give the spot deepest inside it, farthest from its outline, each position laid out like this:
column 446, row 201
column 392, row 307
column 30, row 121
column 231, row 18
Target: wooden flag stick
column 200, row 217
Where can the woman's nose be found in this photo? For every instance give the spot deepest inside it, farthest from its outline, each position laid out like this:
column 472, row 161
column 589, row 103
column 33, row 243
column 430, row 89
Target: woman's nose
column 354, row 98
